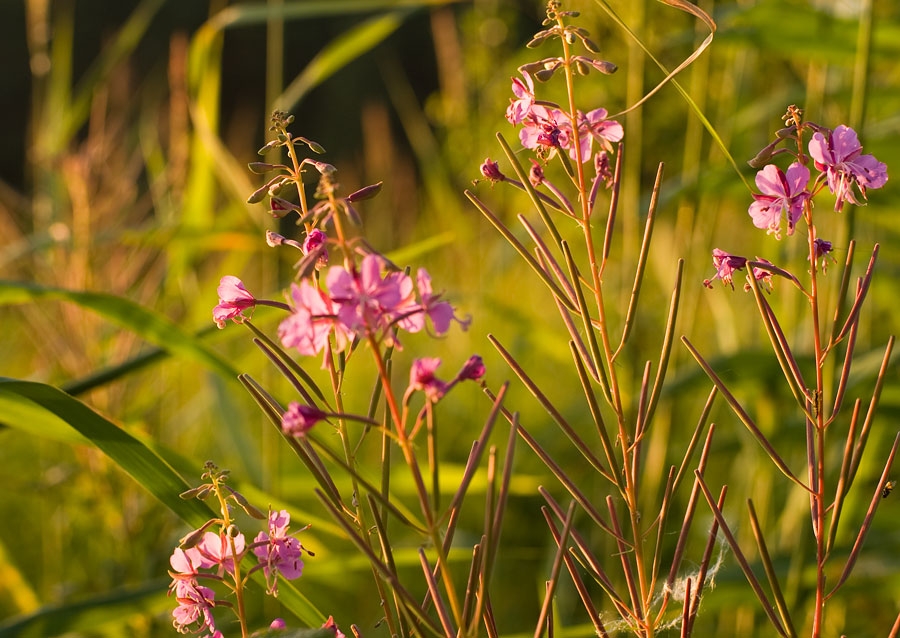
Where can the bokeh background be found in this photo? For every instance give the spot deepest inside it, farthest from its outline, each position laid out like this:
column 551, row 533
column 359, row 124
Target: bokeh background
column 126, row 130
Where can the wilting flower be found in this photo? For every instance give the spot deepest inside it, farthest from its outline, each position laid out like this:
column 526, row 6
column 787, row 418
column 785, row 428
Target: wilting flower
column 839, row 155
column 421, row 377
column 725, row 264
column 234, row 299
column 299, row 419
column 762, row 275
column 782, row 193
column 278, row 552
column 823, row 249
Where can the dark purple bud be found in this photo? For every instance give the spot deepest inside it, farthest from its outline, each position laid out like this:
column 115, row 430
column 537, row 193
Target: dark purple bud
column 366, row 192
column 491, row 170
column 472, row 370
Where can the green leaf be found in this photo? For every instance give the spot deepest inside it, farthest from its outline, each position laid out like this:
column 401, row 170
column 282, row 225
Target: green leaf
column 144, row 322
column 44, row 410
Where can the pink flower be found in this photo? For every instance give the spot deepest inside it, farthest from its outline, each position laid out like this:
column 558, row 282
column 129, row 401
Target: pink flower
column 781, row 193
column 278, row 552
column 194, row 610
column 299, row 419
column 421, row 377
column 544, row 127
column 312, row 321
column 725, row 264
column 315, row 239
column 520, row 108
column 440, row 312
column 594, row 126
column 366, row 301
column 839, row 155
column 762, row 275
column 215, row 551
column 233, row 301
column 278, row 623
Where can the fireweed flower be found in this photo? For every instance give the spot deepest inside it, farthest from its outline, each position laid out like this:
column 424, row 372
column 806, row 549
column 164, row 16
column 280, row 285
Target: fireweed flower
column 311, row 321
column 278, row 552
column 520, row 108
column 421, row 377
column 823, row 248
column 594, row 126
column 194, row 611
column 215, row 550
column 762, row 275
column 543, row 128
column 313, row 241
column 299, row 419
column 234, row 299
column 839, row 155
column 725, row 264
column 782, row 193
column 441, row 313
column 365, row 301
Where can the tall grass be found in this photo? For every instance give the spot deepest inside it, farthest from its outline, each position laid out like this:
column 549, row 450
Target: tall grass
column 135, row 204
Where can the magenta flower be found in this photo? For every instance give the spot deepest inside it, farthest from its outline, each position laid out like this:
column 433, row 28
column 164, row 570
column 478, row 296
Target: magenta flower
column 278, row 552
column 781, row 194
column 823, row 249
column 725, row 264
column 233, row 301
column 473, row 369
column 421, row 377
column 762, row 275
column 311, row 321
column 520, row 108
column 313, row 241
column 194, row 610
column 440, row 312
column 839, row 155
column 544, row 127
column 299, row 419
column 366, row 301
column 594, row 126
column 215, row 551
column 278, row 623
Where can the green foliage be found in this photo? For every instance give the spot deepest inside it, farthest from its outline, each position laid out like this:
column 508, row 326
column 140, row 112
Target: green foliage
column 135, row 205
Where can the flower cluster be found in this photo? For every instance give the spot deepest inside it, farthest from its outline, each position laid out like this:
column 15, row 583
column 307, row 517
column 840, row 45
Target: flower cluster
column 218, row 557
column 215, row 555
column 546, row 125
column 786, row 196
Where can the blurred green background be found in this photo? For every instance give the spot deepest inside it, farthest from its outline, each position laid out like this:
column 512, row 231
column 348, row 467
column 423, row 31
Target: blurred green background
column 127, row 127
